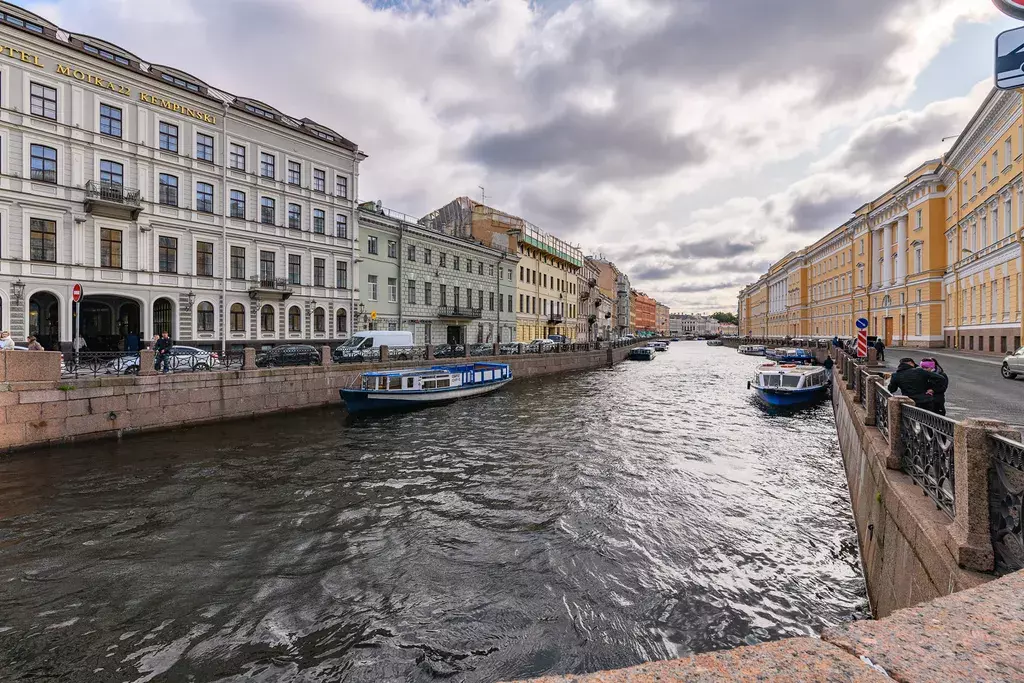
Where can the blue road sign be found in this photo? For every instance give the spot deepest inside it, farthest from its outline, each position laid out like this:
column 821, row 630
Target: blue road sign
column 862, row 323
column 1010, row 59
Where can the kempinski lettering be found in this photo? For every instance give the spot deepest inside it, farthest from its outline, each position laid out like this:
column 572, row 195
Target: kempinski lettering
column 15, row 53
column 178, row 108
column 93, row 79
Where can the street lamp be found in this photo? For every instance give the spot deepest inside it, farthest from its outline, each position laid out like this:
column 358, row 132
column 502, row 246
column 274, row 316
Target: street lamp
column 191, row 299
column 17, row 292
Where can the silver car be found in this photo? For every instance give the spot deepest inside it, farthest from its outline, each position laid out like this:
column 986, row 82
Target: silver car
column 181, row 358
column 1013, row 364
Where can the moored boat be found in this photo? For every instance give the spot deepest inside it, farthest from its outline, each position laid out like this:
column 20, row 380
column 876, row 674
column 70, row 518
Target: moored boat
column 659, row 345
column 790, row 385
column 791, row 355
column 752, row 350
column 714, row 342
column 403, row 389
column 641, row 353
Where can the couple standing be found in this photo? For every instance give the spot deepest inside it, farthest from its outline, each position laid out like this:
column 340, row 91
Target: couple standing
column 925, row 384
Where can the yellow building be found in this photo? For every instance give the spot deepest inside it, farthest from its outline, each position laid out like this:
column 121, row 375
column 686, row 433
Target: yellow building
column 547, row 286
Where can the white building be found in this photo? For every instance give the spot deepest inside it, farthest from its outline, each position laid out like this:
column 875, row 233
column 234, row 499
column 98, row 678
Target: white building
column 177, row 206
column 698, row 325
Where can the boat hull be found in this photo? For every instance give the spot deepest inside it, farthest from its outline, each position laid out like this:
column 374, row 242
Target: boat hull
column 791, row 399
column 363, row 401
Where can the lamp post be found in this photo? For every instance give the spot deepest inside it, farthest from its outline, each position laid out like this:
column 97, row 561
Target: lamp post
column 17, row 292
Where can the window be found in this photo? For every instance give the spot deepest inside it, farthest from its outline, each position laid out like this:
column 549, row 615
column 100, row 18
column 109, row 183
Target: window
column 319, row 221
column 294, row 269
column 268, row 268
column 294, row 319
column 455, row 262
column 267, row 210
column 267, row 318
column 443, row 293
column 294, row 173
column 44, row 163
column 43, row 237
column 426, row 256
column 168, row 254
column 412, row 291
column 341, row 226
column 974, row 184
column 441, row 259
column 393, row 290
column 111, row 173
column 204, row 313
column 918, row 267
column 984, row 175
column 168, row 189
column 110, row 248
column 479, row 299
column 204, row 147
column 267, row 162
column 342, row 187
column 426, row 294
column 319, row 272
column 510, row 302
column 319, row 180
column 237, row 318
column 204, row 197
column 371, row 244
column 168, row 137
column 1008, row 215
column 319, row 320
column 237, row 157
column 392, row 249
column 480, row 268
column 371, row 286
column 295, row 216
column 469, row 266
column 412, row 252
column 491, row 270
column 237, row 204
column 110, row 120
column 237, row 263
column 204, row 259
column 43, row 101
column 341, row 274
column 521, row 271
column 491, row 306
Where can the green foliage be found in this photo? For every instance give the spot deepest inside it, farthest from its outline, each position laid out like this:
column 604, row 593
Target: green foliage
column 725, row 317
column 66, row 387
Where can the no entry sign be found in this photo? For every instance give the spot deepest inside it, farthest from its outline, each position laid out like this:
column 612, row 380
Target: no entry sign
column 1013, row 8
column 76, row 293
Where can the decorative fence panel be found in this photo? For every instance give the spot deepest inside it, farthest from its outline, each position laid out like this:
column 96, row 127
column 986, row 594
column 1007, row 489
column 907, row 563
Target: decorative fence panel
column 928, row 455
column 882, row 397
column 1006, row 502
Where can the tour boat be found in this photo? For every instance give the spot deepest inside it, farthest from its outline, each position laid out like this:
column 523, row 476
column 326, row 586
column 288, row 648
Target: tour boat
column 790, row 385
column 659, row 345
column 791, row 355
column 752, row 350
column 641, row 353
column 401, row 389
column 714, row 342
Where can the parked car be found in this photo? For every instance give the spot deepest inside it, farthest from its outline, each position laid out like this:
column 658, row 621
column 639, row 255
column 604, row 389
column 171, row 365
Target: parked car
column 510, row 349
column 181, row 358
column 288, row 355
column 1013, row 364
column 558, row 338
column 365, row 346
column 449, row 351
column 541, row 346
column 481, row 349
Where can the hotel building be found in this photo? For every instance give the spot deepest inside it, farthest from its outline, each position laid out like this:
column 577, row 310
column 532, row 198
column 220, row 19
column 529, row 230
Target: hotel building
column 176, row 206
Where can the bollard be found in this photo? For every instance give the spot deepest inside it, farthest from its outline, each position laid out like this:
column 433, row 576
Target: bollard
column 851, row 375
column 870, row 400
column 894, row 457
column 496, row 351
column 249, row 359
column 384, row 353
column 325, row 355
column 522, row 349
column 147, row 359
column 872, row 357
column 465, row 350
column 429, row 353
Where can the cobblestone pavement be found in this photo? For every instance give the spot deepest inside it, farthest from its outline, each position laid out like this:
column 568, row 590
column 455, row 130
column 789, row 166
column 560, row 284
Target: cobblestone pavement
column 976, row 389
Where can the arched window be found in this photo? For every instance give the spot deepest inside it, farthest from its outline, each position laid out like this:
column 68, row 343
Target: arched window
column 294, row 319
column 162, row 317
column 204, row 317
column 237, row 318
column 341, row 329
column 267, row 318
column 319, row 320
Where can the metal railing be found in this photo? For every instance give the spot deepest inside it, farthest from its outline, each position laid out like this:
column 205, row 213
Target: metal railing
column 1006, row 502
column 279, row 283
column 882, row 397
column 464, row 312
column 860, row 379
column 105, row 364
column 113, row 192
column 928, row 455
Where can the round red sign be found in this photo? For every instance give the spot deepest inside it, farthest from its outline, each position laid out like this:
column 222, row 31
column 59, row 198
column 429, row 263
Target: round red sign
column 76, row 293
column 1013, row 8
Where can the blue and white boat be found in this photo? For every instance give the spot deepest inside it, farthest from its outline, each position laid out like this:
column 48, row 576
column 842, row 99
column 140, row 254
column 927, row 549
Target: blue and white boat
column 791, row 355
column 790, row 385
column 641, row 353
column 752, row 350
column 404, row 389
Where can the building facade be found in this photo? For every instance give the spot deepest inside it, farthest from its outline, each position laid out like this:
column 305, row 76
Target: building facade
column 661, row 313
column 645, row 313
column 176, row 206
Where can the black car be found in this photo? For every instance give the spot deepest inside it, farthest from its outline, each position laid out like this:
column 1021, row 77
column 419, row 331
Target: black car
column 290, row 354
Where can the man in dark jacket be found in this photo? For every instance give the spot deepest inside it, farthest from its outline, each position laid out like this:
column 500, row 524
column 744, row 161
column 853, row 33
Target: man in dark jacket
column 163, row 351
column 918, row 384
column 880, row 348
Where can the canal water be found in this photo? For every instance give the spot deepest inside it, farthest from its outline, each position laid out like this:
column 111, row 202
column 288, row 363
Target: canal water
column 566, row 524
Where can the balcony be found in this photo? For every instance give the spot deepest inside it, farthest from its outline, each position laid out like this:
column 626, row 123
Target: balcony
column 556, row 319
column 112, row 200
column 460, row 312
column 269, row 288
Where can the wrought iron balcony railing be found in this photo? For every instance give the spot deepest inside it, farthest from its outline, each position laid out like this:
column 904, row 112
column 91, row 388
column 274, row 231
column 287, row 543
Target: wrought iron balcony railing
column 464, row 312
column 113, row 192
column 555, row 319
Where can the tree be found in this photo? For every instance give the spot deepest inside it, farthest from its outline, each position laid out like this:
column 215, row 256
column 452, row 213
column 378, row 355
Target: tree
column 724, row 317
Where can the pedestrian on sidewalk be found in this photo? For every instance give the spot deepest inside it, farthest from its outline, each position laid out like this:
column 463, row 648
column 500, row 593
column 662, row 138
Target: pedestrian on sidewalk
column 918, row 384
column 880, row 348
column 939, row 399
column 163, row 351
column 34, row 345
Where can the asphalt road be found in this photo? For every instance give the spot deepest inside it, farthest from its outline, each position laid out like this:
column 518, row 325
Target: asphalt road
column 976, row 389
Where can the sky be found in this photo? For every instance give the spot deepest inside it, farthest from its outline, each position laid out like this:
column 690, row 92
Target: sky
column 693, row 142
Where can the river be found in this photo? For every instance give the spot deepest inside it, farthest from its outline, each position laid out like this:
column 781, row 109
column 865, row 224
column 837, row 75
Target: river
column 566, row 524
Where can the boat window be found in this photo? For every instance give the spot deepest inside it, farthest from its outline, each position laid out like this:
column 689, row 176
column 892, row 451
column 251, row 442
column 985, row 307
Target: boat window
column 792, row 381
column 408, row 383
column 382, row 383
column 443, row 382
column 428, row 384
column 368, row 383
column 394, row 383
column 772, row 380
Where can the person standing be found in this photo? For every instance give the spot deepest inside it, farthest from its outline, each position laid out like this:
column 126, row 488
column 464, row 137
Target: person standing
column 918, row 384
column 880, row 348
column 163, row 351
column 6, row 343
column 34, row 345
column 939, row 397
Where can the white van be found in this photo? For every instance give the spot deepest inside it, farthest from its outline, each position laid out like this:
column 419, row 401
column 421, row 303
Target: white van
column 366, row 344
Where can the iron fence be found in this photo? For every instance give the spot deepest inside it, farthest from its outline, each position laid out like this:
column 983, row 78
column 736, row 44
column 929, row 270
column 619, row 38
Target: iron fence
column 928, row 455
column 860, row 378
column 114, row 363
column 882, row 397
column 1006, row 502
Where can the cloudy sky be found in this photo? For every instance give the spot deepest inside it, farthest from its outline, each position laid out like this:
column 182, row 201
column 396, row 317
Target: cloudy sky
column 691, row 141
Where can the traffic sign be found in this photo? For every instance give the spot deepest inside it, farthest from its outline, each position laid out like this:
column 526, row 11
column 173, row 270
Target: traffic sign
column 862, row 344
column 862, row 323
column 76, row 293
column 1010, row 59
column 373, row 315
column 1012, row 8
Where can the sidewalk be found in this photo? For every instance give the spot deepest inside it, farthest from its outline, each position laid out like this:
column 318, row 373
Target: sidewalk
column 973, row 356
